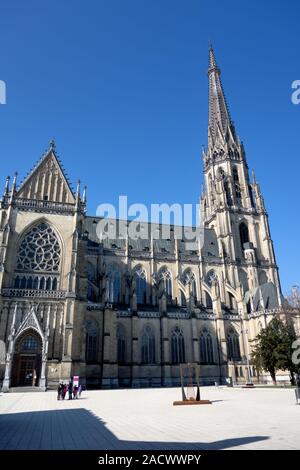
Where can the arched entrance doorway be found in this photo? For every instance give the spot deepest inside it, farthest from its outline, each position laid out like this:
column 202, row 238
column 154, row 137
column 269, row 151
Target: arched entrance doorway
column 27, row 360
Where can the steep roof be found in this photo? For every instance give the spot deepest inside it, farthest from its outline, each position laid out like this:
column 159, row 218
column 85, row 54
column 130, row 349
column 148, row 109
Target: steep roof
column 47, row 168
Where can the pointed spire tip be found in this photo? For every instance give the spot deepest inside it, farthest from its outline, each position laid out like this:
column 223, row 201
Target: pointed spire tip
column 52, row 145
column 212, row 58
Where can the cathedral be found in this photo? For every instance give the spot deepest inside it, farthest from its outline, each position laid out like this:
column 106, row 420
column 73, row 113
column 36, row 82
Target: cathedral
column 126, row 312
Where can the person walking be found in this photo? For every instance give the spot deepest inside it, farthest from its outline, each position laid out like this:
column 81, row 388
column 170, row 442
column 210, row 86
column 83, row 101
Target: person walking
column 64, row 391
column 75, row 390
column 79, row 390
column 70, row 390
column 59, row 391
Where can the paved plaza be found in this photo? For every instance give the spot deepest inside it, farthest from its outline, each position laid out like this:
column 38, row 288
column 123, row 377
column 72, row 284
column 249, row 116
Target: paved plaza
column 145, row 419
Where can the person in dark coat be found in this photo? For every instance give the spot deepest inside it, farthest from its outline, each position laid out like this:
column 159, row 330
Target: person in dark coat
column 59, row 390
column 75, row 391
column 70, row 390
column 64, row 390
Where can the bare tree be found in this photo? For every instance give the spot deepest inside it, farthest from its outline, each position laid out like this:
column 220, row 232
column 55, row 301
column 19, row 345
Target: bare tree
column 293, row 297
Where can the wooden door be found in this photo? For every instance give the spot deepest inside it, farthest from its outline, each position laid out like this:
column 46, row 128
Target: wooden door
column 26, row 370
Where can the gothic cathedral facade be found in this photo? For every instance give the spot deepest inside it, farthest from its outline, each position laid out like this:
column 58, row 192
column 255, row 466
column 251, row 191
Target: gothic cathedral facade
column 127, row 312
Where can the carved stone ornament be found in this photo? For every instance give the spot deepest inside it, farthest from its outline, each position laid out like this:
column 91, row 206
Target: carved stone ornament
column 30, row 322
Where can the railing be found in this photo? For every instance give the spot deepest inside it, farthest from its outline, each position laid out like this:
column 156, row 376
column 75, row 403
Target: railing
column 32, row 293
column 178, row 315
column 124, row 313
column 233, row 209
column 149, row 314
column 37, row 204
column 94, row 306
column 272, row 311
column 205, row 316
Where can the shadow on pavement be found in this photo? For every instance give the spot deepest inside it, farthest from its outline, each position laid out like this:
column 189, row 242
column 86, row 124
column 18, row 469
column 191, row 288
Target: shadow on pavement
column 81, row 429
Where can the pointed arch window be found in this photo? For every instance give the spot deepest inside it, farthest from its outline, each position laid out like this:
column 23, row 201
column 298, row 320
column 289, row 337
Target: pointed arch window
column 91, row 277
column 252, row 199
column 114, row 286
column 208, row 301
column 233, row 346
column 90, row 293
column 29, row 282
column 148, row 346
column 235, row 175
column 238, row 192
column 237, row 186
column 211, row 277
column 48, row 283
column 17, row 282
column 221, row 173
column 189, row 278
column 166, row 277
column 140, row 280
column 232, row 301
column 228, row 193
column 244, row 234
column 90, row 272
column 42, row 283
column 206, row 347
column 194, row 288
column 182, row 299
column 121, row 345
column 177, row 346
column 91, row 341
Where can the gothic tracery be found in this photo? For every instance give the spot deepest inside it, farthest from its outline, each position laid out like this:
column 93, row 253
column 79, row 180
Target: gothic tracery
column 39, row 250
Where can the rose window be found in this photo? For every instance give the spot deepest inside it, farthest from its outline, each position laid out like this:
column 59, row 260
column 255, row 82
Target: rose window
column 38, row 260
column 39, row 250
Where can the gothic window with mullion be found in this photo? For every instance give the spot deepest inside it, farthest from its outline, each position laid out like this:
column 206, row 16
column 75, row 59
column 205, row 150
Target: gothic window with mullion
column 148, row 346
column 114, row 285
column 91, row 352
column 233, row 346
column 38, row 259
column 189, row 279
column 121, row 345
column 91, row 281
column 244, row 235
column 166, row 277
column 177, row 346
column 141, row 285
column 206, row 347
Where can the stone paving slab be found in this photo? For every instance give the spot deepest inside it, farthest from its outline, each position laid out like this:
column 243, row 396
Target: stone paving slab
column 146, row 419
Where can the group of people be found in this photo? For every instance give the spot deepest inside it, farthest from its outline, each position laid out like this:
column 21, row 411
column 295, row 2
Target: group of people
column 74, row 391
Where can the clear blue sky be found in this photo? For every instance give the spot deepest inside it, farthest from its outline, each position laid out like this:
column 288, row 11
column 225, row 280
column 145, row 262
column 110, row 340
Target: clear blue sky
column 122, row 87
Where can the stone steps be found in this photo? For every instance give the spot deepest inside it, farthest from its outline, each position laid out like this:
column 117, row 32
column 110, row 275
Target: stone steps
column 25, row 389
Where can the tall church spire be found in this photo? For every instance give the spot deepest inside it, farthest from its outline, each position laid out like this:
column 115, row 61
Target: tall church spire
column 218, row 111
